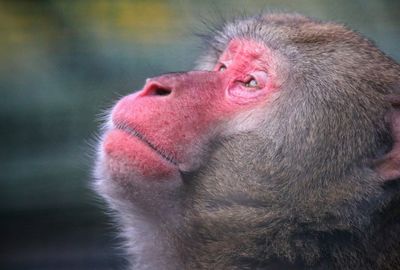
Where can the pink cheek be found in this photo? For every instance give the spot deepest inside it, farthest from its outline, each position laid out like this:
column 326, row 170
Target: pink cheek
column 246, row 97
column 128, row 155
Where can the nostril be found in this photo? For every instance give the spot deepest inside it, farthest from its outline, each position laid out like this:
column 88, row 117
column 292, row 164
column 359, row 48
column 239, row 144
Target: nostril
column 155, row 88
column 162, row 91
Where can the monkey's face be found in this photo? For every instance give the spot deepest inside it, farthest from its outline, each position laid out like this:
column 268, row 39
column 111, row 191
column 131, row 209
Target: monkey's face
column 167, row 126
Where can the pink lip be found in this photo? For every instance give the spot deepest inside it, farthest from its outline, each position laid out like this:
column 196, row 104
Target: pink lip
column 138, row 135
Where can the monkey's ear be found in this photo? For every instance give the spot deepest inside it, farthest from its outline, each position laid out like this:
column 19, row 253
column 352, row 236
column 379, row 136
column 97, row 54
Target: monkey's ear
column 388, row 167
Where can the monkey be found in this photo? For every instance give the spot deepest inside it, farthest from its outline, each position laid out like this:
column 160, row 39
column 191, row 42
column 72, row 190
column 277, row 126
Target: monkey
column 279, row 150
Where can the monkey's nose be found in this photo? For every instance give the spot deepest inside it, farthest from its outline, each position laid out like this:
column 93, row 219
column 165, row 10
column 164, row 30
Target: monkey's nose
column 155, row 88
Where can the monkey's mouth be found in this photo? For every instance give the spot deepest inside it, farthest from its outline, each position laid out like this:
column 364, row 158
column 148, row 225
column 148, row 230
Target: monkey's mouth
column 136, row 134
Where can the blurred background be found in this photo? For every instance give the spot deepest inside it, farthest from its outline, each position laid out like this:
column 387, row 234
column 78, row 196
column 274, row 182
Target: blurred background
column 61, row 64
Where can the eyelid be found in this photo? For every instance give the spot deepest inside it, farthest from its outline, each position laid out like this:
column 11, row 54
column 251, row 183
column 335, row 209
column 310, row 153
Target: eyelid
column 260, row 76
column 248, row 78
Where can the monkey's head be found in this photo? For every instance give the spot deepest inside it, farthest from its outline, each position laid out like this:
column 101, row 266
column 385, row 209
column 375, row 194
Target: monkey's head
column 281, row 118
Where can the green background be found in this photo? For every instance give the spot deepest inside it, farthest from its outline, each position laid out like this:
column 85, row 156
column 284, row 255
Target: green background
column 62, row 63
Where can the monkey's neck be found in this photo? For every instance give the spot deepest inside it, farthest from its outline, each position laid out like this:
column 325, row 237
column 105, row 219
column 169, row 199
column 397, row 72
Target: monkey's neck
column 150, row 239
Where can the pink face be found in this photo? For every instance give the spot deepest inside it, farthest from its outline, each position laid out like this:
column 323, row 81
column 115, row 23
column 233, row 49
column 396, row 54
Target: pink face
column 155, row 132
column 246, row 66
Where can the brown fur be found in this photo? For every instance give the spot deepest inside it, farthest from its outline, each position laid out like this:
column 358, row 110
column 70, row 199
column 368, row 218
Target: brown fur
column 299, row 192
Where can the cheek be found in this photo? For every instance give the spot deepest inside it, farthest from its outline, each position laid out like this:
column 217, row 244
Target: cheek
column 239, row 94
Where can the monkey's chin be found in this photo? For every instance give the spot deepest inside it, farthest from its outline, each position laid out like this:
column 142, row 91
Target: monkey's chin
column 126, row 155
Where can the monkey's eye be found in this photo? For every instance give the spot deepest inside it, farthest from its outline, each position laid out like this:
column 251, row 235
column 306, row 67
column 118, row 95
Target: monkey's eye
column 251, row 82
column 222, row 68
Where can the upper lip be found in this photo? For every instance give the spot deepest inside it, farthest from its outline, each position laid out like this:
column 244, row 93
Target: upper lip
column 134, row 132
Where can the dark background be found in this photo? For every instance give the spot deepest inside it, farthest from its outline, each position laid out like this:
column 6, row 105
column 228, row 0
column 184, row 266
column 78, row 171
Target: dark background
column 61, row 64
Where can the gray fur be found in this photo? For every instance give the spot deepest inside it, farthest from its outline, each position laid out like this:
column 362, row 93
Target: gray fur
column 298, row 191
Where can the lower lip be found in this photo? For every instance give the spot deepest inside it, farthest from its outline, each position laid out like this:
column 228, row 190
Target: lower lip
column 127, row 149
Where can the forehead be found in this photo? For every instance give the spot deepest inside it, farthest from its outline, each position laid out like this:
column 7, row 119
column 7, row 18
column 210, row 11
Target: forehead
column 246, row 54
column 248, row 48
